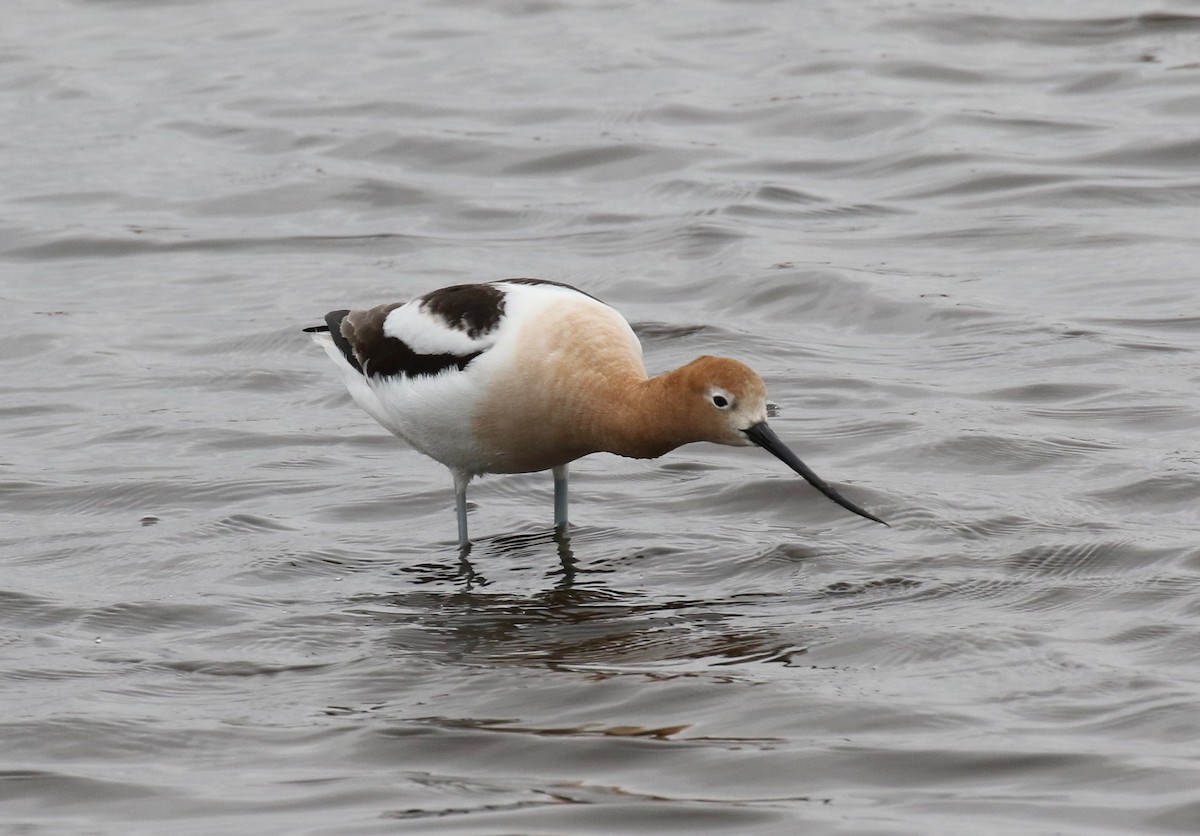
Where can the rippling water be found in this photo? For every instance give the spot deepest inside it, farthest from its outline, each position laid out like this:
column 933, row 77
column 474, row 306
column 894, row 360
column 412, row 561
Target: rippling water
column 959, row 240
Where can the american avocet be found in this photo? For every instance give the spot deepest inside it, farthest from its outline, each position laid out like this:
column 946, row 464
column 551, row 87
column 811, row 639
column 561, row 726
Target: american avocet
column 522, row 375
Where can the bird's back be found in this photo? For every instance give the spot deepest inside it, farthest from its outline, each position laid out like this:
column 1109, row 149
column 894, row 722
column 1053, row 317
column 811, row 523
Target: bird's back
column 561, row 369
column 496, row 377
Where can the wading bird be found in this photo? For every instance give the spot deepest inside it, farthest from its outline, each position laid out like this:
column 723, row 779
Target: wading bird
column 523, row 375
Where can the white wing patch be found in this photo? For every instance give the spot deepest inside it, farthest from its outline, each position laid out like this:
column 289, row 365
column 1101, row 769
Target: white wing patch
column 425, row 333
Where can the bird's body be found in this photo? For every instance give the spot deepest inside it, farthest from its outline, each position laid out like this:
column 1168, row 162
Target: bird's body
column 524, row 375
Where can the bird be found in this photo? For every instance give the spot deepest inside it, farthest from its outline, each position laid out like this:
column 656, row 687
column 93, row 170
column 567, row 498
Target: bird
column 525, row 375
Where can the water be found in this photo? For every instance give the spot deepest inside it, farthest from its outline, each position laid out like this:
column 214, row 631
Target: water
column 958, row 239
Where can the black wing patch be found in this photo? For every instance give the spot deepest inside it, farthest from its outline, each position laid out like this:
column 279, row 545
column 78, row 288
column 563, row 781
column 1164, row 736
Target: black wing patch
column 376, row 354
column 474, row 309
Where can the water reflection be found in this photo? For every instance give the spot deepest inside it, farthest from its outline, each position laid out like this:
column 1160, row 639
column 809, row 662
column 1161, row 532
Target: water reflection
column 471, row 609
column 467, row 577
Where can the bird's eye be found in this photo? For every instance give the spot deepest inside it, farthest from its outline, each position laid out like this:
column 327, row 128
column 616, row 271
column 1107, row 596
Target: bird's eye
column 720, row 401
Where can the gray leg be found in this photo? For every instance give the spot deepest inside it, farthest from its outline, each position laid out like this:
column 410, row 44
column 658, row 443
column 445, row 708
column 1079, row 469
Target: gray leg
column 460, row 504
column 560, row 498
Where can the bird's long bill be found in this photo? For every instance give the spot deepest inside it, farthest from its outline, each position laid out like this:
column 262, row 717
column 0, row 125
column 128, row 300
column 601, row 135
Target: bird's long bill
column 765, row 437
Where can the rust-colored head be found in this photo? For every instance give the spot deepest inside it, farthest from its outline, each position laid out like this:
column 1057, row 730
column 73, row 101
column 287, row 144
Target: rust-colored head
column 717, row 399
column 721, row 400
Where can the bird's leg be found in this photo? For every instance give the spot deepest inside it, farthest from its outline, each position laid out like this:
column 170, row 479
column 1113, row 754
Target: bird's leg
column 461, row 478
column 560, row 498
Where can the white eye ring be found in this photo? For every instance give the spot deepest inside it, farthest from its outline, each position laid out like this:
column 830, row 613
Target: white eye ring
column 720, row 401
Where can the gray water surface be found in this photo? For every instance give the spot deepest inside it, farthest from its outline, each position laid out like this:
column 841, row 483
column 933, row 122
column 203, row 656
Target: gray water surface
column 959, row 241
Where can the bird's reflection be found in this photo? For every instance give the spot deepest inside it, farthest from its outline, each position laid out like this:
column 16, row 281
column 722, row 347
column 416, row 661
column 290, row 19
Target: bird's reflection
column 468, row 577
column 505, row 599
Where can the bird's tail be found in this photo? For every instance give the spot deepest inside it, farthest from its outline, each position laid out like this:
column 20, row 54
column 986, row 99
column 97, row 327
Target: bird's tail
column 333, row 326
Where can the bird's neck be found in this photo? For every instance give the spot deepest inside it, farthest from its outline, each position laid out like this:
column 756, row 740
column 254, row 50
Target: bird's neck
column 646, row 420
